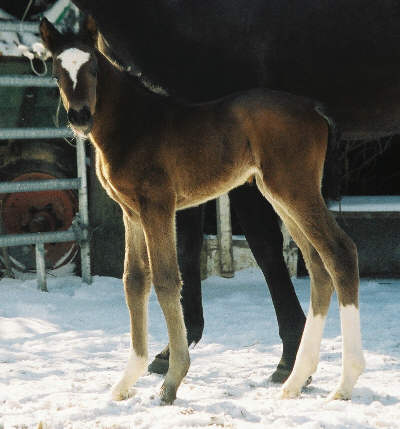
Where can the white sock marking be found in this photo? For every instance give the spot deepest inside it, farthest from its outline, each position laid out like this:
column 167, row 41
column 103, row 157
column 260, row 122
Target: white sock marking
column 72, row 60
column 353, row 362
column 135, row 367
column 308, row 355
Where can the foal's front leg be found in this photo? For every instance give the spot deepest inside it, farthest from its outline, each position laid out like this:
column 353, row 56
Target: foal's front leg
column 189, row 242
column 137, row 283
column 158, row 220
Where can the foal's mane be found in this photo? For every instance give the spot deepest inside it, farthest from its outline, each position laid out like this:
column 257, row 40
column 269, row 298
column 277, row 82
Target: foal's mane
column 104, row 47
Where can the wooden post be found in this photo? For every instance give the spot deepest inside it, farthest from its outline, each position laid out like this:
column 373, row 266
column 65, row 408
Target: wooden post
column 41, row 267
column 224, row 235
column 83, row 210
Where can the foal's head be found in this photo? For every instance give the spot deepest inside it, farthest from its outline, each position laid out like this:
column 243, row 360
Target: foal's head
column 75, row 68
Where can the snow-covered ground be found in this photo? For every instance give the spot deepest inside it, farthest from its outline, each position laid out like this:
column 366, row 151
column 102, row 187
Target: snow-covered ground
column 61, row 351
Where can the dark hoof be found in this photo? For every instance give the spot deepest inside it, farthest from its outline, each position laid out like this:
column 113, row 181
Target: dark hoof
column 159, row 366
column 194, row 334
column 167, row 394
column 285, row 366
column 280, row 375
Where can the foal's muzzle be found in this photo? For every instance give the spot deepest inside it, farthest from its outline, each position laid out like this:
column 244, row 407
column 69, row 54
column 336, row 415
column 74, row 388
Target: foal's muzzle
column 81, row 120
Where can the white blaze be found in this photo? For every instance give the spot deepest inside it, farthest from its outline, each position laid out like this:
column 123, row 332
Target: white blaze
column 72, row 60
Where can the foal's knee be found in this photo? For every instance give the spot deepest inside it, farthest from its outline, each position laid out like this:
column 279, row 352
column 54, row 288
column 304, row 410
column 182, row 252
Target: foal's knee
column 136, row 283
column 166, row 276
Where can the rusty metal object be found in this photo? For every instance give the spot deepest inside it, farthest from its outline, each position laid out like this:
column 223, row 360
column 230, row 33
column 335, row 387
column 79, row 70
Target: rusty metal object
column 44, row 211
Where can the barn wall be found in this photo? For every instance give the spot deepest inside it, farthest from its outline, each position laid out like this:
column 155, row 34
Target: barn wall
column 378, row 244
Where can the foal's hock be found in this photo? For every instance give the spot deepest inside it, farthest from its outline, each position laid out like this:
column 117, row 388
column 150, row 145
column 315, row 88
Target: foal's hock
column 155, row 156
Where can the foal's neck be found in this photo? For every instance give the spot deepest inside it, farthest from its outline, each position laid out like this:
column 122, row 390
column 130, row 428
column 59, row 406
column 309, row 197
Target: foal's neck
column 124, row 105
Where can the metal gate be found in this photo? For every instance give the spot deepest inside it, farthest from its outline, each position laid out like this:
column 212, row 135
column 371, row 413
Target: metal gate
column 79, row 229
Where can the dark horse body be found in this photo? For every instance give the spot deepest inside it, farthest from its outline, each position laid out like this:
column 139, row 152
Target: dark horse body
column 343, row 52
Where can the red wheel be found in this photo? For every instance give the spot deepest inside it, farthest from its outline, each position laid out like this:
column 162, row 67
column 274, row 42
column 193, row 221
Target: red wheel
column 44, row 211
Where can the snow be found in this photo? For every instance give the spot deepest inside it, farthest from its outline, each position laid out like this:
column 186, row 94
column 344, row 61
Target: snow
column 60, row 353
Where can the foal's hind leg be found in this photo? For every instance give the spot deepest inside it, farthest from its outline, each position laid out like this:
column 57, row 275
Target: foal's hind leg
column 262, row 230
column 158, row 220
column 321, row 290
column 136, row 280
column 339, row 256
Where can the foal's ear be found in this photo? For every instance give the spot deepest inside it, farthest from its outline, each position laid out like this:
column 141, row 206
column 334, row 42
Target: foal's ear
column 89, row 29
column 49, row 34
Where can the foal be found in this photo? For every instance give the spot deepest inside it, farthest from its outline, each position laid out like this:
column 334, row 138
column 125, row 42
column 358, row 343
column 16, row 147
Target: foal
column 155, row 156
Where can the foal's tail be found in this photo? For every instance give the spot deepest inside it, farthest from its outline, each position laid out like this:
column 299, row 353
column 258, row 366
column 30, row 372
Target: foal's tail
column 331, row 181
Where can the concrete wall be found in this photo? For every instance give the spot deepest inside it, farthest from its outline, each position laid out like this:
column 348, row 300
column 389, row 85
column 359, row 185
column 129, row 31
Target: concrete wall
column 378, row 244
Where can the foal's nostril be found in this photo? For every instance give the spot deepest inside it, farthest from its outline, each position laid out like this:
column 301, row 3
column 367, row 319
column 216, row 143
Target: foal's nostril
column 79, row 117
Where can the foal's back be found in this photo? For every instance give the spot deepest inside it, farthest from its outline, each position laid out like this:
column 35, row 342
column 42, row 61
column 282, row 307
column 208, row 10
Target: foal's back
column 204, row 150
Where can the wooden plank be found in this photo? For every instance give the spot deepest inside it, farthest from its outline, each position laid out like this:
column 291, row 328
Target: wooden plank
column 224, row 235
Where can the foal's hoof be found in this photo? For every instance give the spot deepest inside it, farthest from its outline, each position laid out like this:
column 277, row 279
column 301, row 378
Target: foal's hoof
column 339, row 395
column 167, row 394
column 118, row 394
column 289, row 393
column 159, row 365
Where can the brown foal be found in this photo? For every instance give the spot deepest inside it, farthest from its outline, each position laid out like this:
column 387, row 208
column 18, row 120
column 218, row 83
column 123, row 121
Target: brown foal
column 155, row 155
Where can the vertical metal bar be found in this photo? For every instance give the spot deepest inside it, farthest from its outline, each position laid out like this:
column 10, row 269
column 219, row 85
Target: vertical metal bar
column 83, row 210
column 41, row 267
column 7, row 261
column 224, row 235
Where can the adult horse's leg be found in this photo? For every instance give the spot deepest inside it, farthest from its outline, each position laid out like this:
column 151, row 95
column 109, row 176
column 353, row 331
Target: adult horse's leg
column 190, row 224
column 190, row 240
column 261, row 227
column 137, row 283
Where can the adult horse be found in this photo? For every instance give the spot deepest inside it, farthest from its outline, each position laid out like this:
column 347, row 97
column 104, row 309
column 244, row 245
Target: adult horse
column 343, row 52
